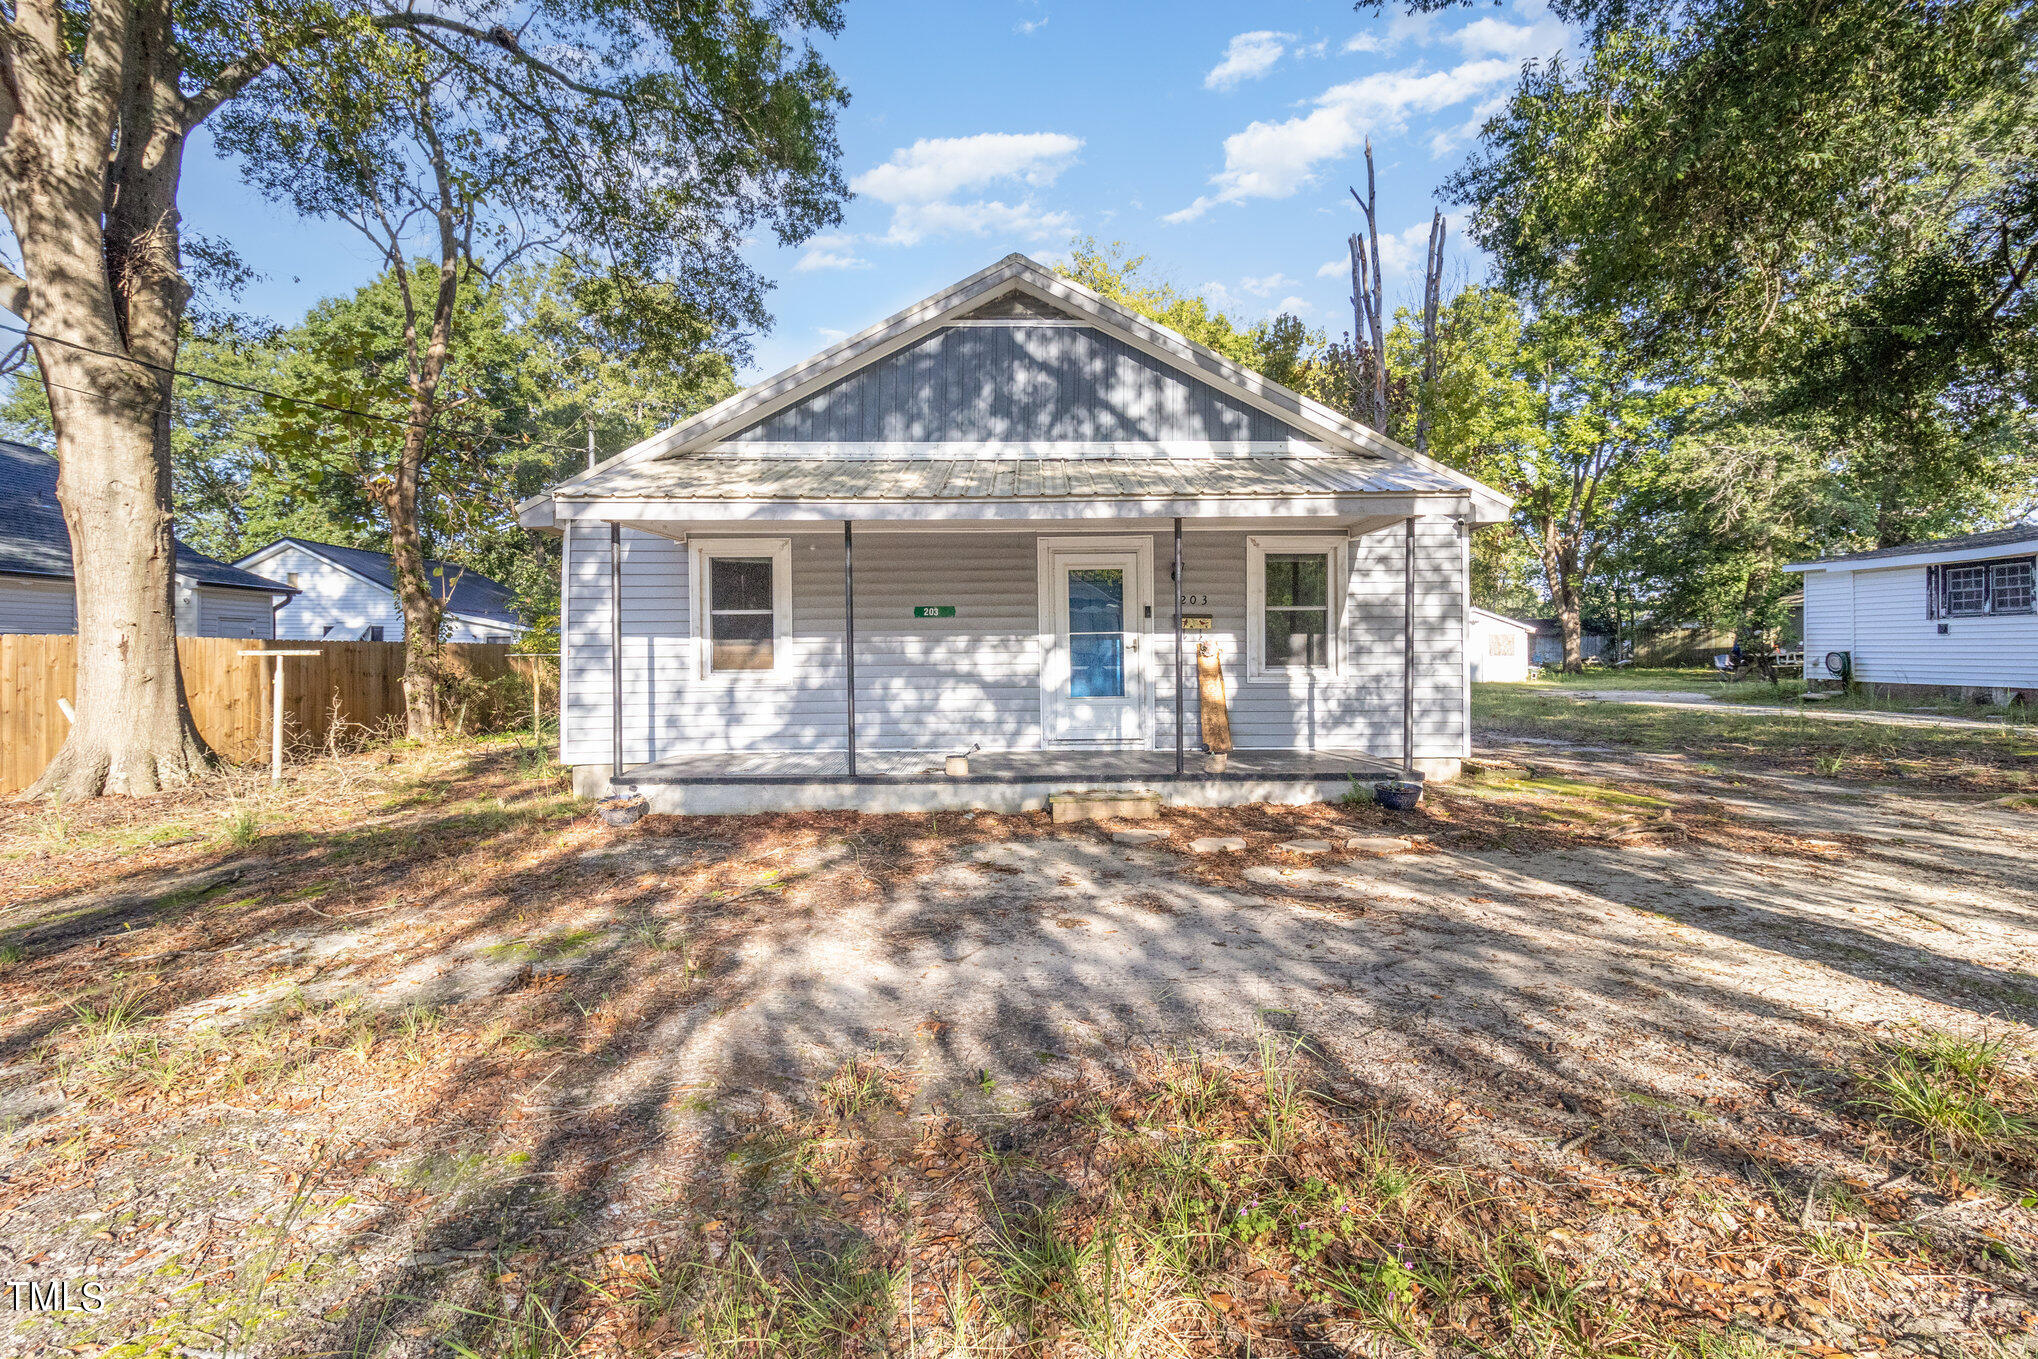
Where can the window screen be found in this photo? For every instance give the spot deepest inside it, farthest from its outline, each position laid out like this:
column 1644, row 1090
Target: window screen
column 1298, row 609
column 740, row 623
column 1500, row 644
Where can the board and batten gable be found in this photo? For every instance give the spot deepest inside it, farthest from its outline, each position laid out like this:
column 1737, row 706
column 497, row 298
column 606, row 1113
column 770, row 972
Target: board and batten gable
column 1883, row 617
column 1015, row 382
column 949, row 683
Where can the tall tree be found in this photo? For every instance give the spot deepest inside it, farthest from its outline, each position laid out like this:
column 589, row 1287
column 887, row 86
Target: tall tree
column 712, row 107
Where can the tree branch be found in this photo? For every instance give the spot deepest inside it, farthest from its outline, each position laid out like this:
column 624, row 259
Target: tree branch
column 14, row 292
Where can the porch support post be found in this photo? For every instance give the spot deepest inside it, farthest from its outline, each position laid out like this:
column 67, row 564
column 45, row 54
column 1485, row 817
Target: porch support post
column 1179, row 736
column 849, row 637
column 615, row 651
column 1408, row 651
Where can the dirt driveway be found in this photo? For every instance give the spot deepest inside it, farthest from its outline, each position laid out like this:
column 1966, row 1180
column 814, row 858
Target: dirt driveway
column 363, row 1080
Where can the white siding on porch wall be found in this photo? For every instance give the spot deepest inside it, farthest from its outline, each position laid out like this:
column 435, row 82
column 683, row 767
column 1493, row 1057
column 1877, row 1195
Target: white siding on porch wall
column 926, row 684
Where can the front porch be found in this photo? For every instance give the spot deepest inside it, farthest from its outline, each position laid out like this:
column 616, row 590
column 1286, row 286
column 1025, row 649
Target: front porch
column 1002, row 781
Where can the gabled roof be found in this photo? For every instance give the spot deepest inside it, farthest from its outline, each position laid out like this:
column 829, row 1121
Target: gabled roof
column 1966, row 546
column 472, row 595
column 1022, row 290
column 1503, row 618
column 35, row 541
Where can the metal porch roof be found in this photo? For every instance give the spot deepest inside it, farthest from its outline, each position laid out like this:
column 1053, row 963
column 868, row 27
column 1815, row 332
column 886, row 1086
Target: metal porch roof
column 722, row 477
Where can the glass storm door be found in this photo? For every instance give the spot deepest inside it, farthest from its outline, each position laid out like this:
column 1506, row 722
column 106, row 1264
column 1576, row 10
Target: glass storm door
column 1098, row 685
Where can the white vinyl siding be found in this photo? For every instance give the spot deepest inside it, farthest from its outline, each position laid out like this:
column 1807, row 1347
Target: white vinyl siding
column 1884, row 618
column 947, row 683
column 332, row 604
column 37, row 604
column 233, row 613
column 32, row 604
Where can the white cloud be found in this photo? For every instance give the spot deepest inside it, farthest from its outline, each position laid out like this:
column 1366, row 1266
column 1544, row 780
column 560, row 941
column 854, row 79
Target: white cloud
column 1250, row 56
column 1261, row 287
column 1451, row 138
column 914, row 222
column 1274, row 160
column 935, row 168
column 1295, row 306
column 1365, row 42
column 1498, row 38
column 926, row 184
column 1336, row 268
column 830, row 334
column 1028, row 27
column 830, row 252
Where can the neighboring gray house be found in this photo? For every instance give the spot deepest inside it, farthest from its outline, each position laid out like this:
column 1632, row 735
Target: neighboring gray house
column 348, row 594
column 36, row 594
column 957, row 528
column 1958, row 616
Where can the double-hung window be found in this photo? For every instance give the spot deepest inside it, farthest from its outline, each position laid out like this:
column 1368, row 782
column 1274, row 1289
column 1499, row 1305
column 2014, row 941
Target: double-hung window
column 1295, row 603
column 742, row 605
column 1977, row 589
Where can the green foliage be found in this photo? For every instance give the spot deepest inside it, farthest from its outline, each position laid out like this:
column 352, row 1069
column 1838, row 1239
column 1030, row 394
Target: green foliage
column 1280, row 347
column 1831, row 209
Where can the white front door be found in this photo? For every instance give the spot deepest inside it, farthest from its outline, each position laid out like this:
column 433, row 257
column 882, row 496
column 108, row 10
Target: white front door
column 1094, row 682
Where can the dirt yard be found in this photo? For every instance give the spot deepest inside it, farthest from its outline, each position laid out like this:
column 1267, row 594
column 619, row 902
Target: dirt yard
column 1592, row 1054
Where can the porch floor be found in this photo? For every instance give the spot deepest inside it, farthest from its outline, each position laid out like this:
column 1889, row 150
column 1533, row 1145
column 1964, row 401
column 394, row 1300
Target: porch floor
column 1008, row 766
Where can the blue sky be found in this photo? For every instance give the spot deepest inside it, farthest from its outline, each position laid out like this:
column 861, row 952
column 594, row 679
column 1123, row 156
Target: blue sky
column 1216, row 139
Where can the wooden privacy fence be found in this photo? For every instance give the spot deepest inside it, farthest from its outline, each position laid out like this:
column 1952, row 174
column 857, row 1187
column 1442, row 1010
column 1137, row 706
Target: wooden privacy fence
column 359, row 684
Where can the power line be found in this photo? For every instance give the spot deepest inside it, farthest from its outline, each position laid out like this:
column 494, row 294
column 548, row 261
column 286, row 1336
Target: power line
column 260, row 391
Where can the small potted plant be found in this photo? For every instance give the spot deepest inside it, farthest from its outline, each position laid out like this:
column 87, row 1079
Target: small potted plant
column 622, row 809
column 1398, row 795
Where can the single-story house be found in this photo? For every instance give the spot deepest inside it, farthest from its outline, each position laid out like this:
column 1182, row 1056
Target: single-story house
column 348, row 594
column 1497, row 647
column 36, row 593
column 1953, row 618
column 958, row 531
column 1595, row 641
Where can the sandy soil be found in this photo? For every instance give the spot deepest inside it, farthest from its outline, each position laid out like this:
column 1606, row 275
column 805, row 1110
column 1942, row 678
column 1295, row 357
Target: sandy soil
column 1667, row 969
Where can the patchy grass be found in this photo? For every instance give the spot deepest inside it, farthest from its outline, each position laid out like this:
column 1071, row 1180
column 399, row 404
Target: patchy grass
column 435, row 1064
column 1956, row 757
column 1968, row 1104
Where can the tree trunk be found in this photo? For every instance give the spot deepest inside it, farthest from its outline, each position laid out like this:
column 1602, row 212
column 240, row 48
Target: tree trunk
column 1560, row 570
column 134, row 732
column 93, row 150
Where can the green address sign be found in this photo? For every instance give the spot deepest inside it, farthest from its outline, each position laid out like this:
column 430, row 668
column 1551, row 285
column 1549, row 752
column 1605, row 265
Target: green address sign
column 934, row 611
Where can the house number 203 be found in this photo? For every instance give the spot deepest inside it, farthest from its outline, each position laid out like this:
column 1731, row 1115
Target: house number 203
column 1188, row 600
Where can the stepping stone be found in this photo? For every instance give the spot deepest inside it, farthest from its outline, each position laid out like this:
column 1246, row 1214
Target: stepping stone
column 1216, row 844
column 1378, row 844
column 1137, row 836
column 1304, row 846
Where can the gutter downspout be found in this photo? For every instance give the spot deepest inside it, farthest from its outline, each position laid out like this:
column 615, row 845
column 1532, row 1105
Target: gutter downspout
column 615, row 651
column 849, row 637
column 1180, row 737
column 1408, row 652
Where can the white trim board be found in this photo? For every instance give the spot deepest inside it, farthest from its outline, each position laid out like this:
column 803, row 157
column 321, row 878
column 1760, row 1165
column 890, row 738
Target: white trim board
column 1257, row 546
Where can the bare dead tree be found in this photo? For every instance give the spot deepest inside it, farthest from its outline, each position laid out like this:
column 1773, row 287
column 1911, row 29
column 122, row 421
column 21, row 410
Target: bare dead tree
column 1432, row 297
column 1369, row 327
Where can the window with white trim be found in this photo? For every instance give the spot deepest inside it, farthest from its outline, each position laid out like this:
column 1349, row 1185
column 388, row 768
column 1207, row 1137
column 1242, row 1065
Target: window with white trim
column 1295, row 604
column 1978, row 589
column 742, row 605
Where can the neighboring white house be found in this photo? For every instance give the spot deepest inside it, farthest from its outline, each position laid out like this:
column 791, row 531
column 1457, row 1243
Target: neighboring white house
column 36, row 593
column 1954, row 616
column 346, row 594
column 955, row 532
column 1497, row 648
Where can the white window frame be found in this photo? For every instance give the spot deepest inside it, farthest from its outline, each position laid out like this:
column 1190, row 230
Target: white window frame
column 780, row 550
column 1257, row 549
